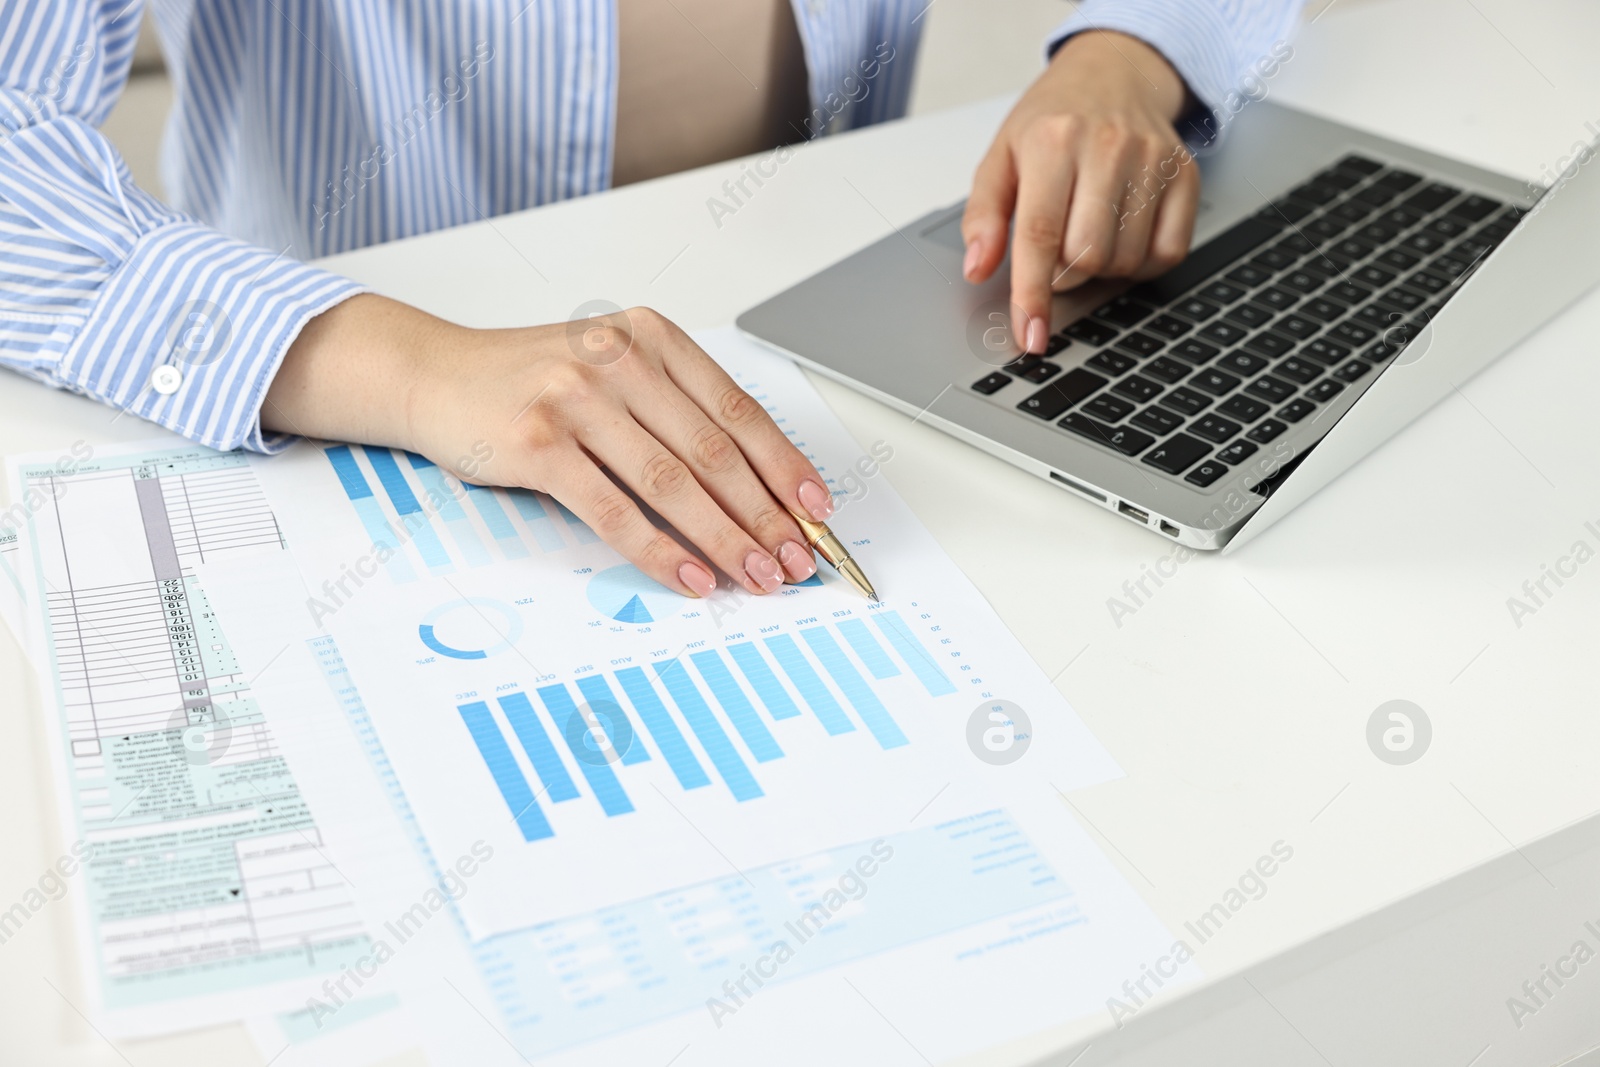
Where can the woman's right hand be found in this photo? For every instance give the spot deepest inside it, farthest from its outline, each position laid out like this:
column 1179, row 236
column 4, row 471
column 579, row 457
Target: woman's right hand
column 570, row 409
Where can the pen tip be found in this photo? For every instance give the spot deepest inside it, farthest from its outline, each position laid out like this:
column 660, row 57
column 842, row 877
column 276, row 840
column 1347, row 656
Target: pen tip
column 874, row 597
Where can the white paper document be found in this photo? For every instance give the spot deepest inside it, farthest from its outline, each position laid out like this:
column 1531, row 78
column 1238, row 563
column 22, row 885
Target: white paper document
column 198, row 874
column 536, row 692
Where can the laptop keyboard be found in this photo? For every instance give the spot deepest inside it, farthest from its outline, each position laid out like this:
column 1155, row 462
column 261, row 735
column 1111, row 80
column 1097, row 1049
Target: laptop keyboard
column 1259, row 327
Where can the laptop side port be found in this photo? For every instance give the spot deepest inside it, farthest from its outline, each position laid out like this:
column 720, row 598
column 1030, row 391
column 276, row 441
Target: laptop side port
column 1137, row 514
column 1168, row 529
column 1079, row 487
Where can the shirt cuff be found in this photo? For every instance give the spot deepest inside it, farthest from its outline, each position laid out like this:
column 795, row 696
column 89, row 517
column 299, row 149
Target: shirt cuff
column 189, row 330
column 1194, row 37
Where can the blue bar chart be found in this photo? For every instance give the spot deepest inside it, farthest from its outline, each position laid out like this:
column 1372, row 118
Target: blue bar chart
column 432, row 523
column 713, row 715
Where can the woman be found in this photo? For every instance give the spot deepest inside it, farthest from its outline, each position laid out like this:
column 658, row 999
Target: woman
column 307, row 127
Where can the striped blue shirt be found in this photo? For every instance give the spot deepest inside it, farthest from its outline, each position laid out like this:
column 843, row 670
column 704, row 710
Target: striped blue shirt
column 302, row 128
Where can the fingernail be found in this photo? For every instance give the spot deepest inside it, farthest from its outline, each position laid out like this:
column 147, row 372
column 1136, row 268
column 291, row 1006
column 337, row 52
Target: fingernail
column 970, row 264
column 697, row 578
column 818, row 501
column 1036, row 334
column 763, row 570
column 797, row 562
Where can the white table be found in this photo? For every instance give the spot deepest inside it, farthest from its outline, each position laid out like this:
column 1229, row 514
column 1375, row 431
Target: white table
column 1236, row 696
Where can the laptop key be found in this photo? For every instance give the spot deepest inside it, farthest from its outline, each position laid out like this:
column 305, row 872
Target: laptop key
column 1296, row 409
column 1423, row 243
column 1224, row 333
column 1137, row 388
column 1431, row 199
column 1165, row 369
column 1194, row 351
column 1352, row 333
column 1156, row 420
column 1400, row 218
column 1428, row 283
column 1474, row 208
column 1222, row 292
column 1376, row 195
column 1325, row 390
column 1270, row 344
column 1267, row 431
column 1323, row 310
column 990, row 384
column 1237, row 452
column 1297, row 370
column 1242, row 408
column 1241, row 363
column 1401, row 300
column 1108, row 407
column 1141, row 344
column 1185, row 401
column 1091, row 332
column 1359, row 164
column 1214, row 382
column 1176, row 454
column 1297, row 326
column 1227, row 247
column 1449, row 266
column 1215, row 429
column 1038, row 370
column 1113, row 363
column 1351, row 249
column 1301, row 281
column 1277, row 299
column 1124, row 311
column 1196, row 309
column 1377, row 233
column 1353, row 371
column 1445, row 226
column 1249, row 315
column 1399, row 259
column 1284, row 212
column 1247, row 275
column 1352, row 211
column 1376, row 277
column 1075, row 385
column 1206, row 473
column 1269, row 388
column 1325, row 351
column 1327, row 229
column 1295, row 245
column 1399, row 180
column 1168, row 327
column 1127, row 441
column 1273, row 259
column 1313, row 192
column 1347, row 293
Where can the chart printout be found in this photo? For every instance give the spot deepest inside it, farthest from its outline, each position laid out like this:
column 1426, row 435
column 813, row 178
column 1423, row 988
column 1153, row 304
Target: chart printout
column 205, row 893
column 535, row 691
column 966, row 932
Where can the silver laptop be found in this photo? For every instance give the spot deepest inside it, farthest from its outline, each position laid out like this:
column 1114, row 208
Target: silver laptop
column 1340, row 284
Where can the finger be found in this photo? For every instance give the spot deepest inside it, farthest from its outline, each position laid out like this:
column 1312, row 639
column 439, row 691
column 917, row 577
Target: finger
column 782, row 467
column 720, row 467
column 987, row 218
column 577, row 482
column 1144, row 191
column 1097, row 197
column 1047, row 167
column 1174, row 225
column 666, row 483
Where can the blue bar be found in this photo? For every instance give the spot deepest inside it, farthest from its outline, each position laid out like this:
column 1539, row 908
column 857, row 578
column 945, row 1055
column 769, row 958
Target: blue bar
column 494, row 517
column 919, row 658
column 394, row 483
column 580, row 528
column 405, row 504
column 466, row 537
column 872, row 654
column 855, row 688
column 349, row 472
column 507, row 775
column 812, row 691
column 602, row 779
column 597, row 694
column 536, row 743
column 669, row 740
column 767, row 686
column 538, row 520
column 383, row 535
column 705, row 726
column 736, row 706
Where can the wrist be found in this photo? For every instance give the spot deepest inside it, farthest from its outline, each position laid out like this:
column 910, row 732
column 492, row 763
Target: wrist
column 1137, row 65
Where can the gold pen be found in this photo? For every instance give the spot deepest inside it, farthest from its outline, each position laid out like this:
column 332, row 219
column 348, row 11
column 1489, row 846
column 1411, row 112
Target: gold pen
column 829, row 547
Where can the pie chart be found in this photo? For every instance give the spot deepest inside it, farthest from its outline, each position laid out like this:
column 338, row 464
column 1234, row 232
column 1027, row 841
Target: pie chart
column 627, row 594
